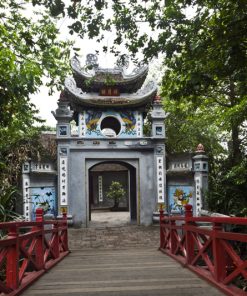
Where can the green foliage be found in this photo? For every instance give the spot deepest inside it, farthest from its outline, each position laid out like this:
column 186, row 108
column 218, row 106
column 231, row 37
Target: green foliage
column 228, row 188
column 29, row 51
column 205, row 94
column 186, row 128
column 204, row 85
column 206, row 69
column 109, row 81
column 204, row 45
column 116, row 192
column 8, row 197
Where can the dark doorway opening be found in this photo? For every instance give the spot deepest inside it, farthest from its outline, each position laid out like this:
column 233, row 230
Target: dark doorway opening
column 100, row 178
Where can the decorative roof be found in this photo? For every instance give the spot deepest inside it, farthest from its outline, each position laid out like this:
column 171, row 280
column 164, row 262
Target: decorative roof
column 91, row 78
column 143, row 96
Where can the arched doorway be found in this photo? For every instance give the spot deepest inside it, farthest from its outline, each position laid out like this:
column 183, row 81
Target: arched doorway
column 101, row 176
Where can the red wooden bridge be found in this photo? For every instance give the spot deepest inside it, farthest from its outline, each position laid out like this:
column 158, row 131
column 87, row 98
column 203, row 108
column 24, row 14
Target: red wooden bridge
column 215, row 249
column 29, row 250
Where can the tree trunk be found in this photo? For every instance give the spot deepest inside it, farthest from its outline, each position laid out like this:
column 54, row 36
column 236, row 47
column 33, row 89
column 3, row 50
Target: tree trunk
column 116, row 203
column 235, row 151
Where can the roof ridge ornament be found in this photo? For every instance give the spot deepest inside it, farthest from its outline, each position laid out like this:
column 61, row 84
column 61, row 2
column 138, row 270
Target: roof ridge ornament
column 63, row 97
column 157, row 99
column 123, row 62
column 200, row 149
column 71, row 86
column 91, row 77
column 147, row 87
column 92, row 61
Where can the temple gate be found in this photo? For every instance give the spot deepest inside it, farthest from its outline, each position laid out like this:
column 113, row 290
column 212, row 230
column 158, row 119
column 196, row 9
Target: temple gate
column 109, row 108
column 100, row 138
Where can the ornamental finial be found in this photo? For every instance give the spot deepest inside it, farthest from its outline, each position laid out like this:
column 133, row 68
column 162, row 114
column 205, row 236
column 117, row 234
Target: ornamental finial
column 157, row 99
column 200, row 148
column 92, row 60
column 62, row 97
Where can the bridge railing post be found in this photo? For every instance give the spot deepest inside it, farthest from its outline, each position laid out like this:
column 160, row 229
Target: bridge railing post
column 162, row 237
column 39, row 247
column 219, row 255
column 173, row 236
column 55, row 237
column 12, row 269
column 189, row 242
column 65, row 235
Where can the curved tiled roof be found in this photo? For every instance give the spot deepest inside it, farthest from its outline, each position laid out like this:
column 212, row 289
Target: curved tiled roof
column 140, row 98
column 93, row 80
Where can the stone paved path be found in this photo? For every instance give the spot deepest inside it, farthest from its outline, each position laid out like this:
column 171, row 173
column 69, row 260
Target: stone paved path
column 109, row 219
column 118, row 262
column 114, row 237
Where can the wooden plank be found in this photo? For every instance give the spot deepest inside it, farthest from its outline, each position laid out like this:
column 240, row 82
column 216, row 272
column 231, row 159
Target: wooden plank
column 131, row 272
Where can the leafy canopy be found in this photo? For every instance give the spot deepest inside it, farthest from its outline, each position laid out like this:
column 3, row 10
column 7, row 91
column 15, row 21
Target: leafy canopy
column 29, row 50
column 204, row 48
column 205, row 69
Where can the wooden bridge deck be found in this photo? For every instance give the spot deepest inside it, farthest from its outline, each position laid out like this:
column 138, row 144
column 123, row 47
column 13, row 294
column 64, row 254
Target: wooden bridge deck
column 120, row 272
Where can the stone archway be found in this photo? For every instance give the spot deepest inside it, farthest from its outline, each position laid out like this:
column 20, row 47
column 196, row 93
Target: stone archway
column 101, row 175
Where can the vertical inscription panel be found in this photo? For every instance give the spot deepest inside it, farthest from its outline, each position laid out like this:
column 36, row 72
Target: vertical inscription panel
column 27, row 198
column 139, row 125
column 198, row 203
column 100, row 182
column 160, row 179
column 63, row 174
column 82, row 124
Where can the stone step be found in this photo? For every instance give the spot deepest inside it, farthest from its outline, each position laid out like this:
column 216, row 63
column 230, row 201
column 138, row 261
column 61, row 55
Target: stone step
column 114, row 237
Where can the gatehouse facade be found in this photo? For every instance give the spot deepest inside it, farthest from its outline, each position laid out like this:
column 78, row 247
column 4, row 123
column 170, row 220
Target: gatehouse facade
column 112, row 142
column 109, row 108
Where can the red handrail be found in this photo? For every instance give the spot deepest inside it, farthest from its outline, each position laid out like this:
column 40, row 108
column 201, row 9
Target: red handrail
column 29, row 250
column 212, row 251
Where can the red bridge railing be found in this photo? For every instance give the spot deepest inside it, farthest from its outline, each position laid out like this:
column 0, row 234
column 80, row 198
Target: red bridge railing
column 215, row 248
column 29, row 250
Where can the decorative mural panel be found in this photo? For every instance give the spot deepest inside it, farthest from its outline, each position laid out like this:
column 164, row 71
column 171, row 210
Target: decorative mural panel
column 43, row 197
column 63, row 174
column 92, row 119
column 131, row 123
column 63, row 130
column 128, row 123
column 26, row 168
column 178, row 196
column 158, row 130
column 160, row 179
column 63, row 151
